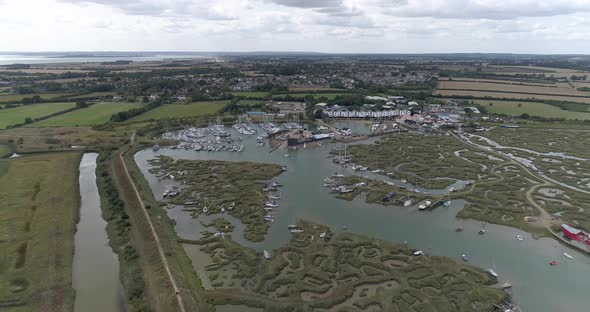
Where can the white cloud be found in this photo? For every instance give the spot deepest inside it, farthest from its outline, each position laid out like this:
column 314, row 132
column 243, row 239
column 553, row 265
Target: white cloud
column 535, row 26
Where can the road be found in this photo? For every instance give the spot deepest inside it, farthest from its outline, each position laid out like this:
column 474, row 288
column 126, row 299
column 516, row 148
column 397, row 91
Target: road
column 154, row 234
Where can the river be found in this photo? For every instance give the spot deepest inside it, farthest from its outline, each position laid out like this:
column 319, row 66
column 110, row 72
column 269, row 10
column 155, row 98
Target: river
column 536, row 285
column 96, row 267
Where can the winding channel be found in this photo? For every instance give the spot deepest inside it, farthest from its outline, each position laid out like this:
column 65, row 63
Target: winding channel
column 536, row 285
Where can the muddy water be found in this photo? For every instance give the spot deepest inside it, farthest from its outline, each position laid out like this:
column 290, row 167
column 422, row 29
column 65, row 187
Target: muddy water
column 536, row 285
column 96, row 267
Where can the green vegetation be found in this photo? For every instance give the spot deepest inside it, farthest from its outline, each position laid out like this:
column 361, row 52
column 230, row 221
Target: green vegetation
column 19, row 115
column 5, row 150
column 252, row 94
column 218, row 184
column 17, row 98
column 38, row 222
column 96, row 114
column 516, row 108
column 194, row 109
column 311, row 273
column 301, row 96
column 411, row 157
column 118, row 229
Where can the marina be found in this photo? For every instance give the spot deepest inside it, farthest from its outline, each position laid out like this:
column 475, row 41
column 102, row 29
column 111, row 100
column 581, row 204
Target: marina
column 524, row 264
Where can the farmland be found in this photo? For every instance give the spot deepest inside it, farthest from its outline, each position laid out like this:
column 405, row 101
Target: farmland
column 37, row 231
column 329, row 96
column 194, row 109
column 15, row 98
column 562, row 89
column 93, row 115
column 516, row 108
column 501, row 95
column 17, row 115
column 252, row 94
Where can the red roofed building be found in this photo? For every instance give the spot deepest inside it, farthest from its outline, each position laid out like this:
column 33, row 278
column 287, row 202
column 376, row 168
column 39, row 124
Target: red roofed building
column 575, row 234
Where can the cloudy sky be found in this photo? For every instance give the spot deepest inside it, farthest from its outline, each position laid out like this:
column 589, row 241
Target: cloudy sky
column 377, row 26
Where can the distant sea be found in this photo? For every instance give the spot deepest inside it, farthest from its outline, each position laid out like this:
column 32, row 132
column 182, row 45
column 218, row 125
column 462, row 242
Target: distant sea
column 49, row 58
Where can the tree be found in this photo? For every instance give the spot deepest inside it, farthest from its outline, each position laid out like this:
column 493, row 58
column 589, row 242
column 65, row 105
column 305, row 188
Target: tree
column 524, row 116
column 81, row 104
column 28, row 120
column 318, row 114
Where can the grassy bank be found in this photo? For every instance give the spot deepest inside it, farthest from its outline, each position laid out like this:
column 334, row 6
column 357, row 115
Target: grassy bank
column 158, row 287
column 39, row 219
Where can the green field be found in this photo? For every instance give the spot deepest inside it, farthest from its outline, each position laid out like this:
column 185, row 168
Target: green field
column 253, row 94
column 329, row 96
column 193, row 109
column 92, row 95
column 4, row 150
column 13, row 98
column 516, row 108
column 37, row 226
column 17, row 115
column 94, row 115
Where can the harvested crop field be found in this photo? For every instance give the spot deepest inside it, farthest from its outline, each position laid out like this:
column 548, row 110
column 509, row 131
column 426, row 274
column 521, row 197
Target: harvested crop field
column 17, row 115
column 37, row 231
column 504, row 95
column 516, row 108
column 93, row 115
column 194, row 109
column 508, row 86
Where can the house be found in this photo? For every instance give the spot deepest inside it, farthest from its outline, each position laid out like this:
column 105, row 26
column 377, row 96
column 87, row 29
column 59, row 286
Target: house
column 473, row 110
column 413, row 103
column 575, row 234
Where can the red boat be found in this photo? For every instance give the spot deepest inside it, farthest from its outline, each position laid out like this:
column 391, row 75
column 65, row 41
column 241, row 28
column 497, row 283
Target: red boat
column 553, row 263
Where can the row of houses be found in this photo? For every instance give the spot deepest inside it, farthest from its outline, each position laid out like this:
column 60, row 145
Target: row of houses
column 367, row 113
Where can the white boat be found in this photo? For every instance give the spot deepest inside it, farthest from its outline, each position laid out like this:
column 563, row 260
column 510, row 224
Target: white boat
column 565, row 254
column 422, row 207
column 418, row 252
column 322, row 234
column 205, row 209
column 407, row 203
column 377, row 171
column 447, row 203
column 269, row 219
column 266, row 254
column 276, row 184
column 464, row 257
column 338, row 175
column 291, row 226
column 492, row 273
column 294, row 231
column 519, row 237
column 272, row 196
column 363, row 168
column 271, row 204
column 404, row 181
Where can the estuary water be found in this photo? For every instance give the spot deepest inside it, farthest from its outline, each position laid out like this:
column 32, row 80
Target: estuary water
column 537, row 286
column 96, row 267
